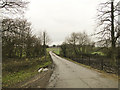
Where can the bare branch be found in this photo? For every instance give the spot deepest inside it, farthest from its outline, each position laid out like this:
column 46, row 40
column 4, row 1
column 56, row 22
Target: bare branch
column 13, row 5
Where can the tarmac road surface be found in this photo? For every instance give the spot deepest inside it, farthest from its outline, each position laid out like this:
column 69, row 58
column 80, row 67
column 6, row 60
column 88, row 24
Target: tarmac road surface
column 70, row 75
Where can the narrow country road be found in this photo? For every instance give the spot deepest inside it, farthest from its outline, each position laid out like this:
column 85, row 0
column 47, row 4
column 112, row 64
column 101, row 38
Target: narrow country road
column 70, row 75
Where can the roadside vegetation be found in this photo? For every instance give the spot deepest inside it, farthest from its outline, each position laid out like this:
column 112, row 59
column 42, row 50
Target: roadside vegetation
column 23, row 53
column 16, row 71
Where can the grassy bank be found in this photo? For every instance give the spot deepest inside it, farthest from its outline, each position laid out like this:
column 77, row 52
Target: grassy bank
column 15, row 71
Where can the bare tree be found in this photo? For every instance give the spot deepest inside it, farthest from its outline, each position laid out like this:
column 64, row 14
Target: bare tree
column 109, row 31
column 73, row 39
column 78, row 41
column 18, row 40
column 14, row 35
column 108, row 23
column 83, row 41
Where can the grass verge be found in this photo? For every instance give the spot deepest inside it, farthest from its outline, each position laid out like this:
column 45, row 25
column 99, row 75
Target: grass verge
column 16, row 71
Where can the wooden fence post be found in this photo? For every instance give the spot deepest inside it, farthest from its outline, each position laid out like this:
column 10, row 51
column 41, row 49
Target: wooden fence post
column 89, row 60
column 101, row 64
column 82, row 59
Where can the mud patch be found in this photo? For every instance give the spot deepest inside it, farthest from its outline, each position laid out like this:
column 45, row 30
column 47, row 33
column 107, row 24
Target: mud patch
column 38, row 81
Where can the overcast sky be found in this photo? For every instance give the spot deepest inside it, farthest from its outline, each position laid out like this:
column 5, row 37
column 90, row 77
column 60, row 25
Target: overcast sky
column 62, row 17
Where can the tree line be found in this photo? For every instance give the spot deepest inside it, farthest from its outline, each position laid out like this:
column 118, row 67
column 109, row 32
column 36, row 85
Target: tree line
column 76, row 45
column 18, row 40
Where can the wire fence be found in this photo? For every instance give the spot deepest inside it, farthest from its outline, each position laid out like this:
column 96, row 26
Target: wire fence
column 101, row 63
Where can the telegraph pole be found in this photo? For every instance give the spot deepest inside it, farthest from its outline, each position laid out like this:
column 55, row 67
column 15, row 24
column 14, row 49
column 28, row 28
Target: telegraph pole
column 44, row 44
